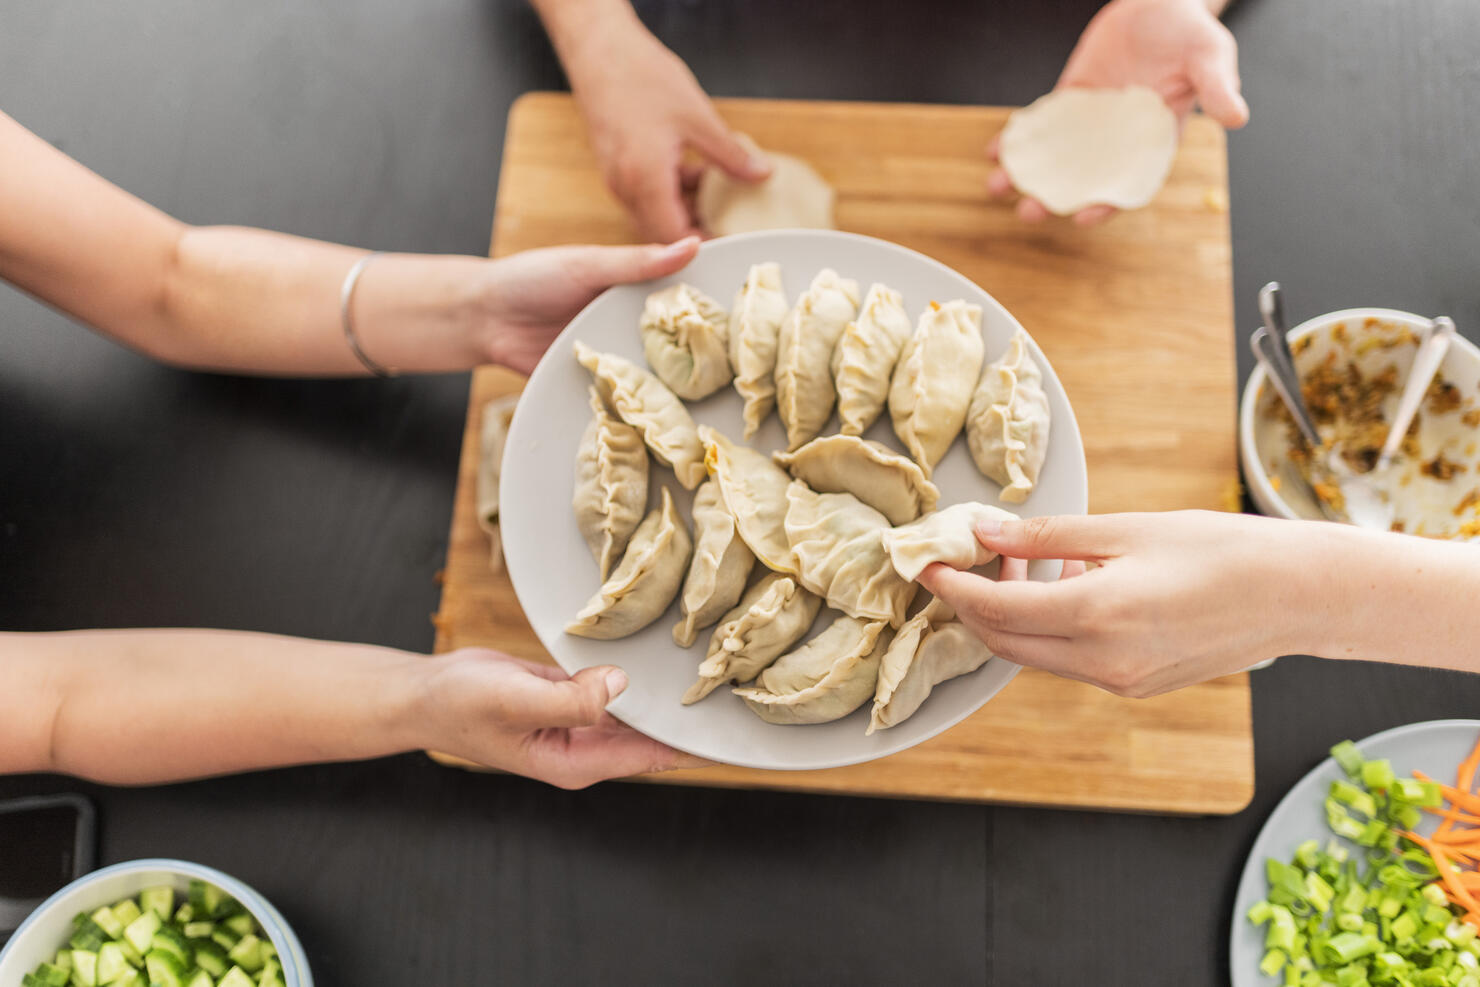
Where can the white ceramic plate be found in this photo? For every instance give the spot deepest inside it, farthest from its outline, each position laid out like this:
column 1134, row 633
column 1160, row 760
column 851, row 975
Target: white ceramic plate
column 552, row 570
column 1435, row 748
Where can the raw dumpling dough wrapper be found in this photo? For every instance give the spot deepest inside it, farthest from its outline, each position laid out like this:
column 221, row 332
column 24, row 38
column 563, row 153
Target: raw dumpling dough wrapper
column 1078, row 147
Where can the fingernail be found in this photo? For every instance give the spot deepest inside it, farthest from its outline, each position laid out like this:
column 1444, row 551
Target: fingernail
column 680, row 245
column 760, row 164
column 988, row 529
column 616, row 681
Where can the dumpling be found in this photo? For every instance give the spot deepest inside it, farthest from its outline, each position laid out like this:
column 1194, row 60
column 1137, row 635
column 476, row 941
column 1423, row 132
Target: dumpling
column 493, row 435
column 684, row 337
column 645, row 582
column 794, row 196
column 839, row 554
column 932, row 385
column 809, row 333
column 719, row 569
column 771, row 617
column 929, row 649
column 825, row 679
column 865, row 357
column 891, row 484
column 611, row 485
column 645, row 402
column 1007, row 424
column 754, row 490
column 755, row 326
column 947, row 536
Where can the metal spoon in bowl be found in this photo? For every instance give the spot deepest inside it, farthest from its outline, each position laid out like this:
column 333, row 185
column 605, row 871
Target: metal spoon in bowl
column 1287, row 385
column 1366, row 503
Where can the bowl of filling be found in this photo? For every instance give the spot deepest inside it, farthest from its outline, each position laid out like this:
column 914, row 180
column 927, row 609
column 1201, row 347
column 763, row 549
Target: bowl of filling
column 155, row 922
column 1352, row 366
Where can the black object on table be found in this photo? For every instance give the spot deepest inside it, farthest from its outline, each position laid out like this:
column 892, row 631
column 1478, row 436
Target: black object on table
column 133, row 495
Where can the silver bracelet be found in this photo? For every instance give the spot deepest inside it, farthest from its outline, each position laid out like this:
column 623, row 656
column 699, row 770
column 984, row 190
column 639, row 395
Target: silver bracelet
column 346, row 296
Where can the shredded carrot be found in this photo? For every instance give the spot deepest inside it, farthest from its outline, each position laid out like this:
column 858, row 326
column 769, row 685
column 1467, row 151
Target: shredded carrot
column 1447, row 873
column 1457, row 838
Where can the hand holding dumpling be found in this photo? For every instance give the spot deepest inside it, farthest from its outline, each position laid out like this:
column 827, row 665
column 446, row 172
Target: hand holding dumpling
column 1172, row 599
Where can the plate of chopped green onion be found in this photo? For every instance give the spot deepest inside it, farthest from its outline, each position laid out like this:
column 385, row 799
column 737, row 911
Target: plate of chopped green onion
column 1368, row 871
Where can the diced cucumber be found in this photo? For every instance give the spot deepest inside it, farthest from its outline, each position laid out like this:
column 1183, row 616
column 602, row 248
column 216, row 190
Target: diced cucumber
column 160, row 900
column 111, row 963
column 207, row 899
column 241, row 923
column 198, row 930
column 247, row 953
column 140, row 932
column 50, row 975
column 125, row 911
column 235, row 977
column 134, row 957
column 210, row 957
column 64, row 959
column 88, row 935
column 31, row 980
column 84, row 968
column 185, row 913
column 133, row 978
column 168, row 940
column 224, row 938
column 164, row 968
column 108, row 922
column 200, row 978
column 272, row 976
column 269, row 951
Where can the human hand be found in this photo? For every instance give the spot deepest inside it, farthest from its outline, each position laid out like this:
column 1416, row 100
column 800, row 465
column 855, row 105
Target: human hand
column 536, row 721
column 1174, row 598
column 527, row 298
column 1176, row 47
column 643, row 107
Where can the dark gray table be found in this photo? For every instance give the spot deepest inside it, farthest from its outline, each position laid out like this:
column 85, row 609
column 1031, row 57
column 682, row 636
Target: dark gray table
column 136, row 495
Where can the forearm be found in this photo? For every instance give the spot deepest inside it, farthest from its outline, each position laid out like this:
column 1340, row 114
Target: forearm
column 1389, row 597
column 250, row 300
column 217, row 297
column 144, row 706
column 578, row 27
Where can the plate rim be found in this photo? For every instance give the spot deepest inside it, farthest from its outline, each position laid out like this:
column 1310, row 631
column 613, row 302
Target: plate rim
column 1254, row 859
column 1080, row 492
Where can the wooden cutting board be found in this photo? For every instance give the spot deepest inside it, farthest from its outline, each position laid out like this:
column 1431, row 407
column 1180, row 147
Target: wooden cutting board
column 1137, row 319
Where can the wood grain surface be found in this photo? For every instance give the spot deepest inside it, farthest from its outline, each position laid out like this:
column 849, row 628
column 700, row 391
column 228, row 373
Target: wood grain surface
column 1137, row 319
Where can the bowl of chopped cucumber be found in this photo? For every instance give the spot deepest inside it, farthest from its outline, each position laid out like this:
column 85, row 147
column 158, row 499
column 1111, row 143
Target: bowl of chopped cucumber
column 155, row 923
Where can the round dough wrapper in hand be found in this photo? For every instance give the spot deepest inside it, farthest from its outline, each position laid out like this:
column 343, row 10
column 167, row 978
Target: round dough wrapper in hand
column 794, row 196
column 1078, row 147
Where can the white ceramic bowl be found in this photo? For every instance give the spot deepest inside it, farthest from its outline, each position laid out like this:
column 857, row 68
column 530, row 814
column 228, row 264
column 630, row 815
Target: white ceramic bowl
column 1263, row 442
column 551, row 567
column 49, row 926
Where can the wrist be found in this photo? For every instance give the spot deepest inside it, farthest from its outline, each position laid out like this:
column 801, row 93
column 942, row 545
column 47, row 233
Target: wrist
column 422, row 313
column 585, row 32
